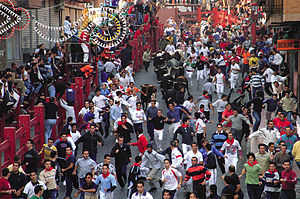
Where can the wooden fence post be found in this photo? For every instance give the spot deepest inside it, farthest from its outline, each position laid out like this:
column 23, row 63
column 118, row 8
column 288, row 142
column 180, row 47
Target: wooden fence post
column 40, row 112
column 10, row 133
column 25, row 122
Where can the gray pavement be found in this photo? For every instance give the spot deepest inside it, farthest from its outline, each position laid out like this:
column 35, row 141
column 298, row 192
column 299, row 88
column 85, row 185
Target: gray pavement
column 149, row 77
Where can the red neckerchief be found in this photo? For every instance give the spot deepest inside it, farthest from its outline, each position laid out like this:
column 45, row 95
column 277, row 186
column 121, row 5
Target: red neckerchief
column 138, row 109
column 48, row 169
column 207, row 97
column 271, row 172
column 254, row 163
column 230, row 141
column 201, row 110
column 184, row 125
column 136, row 164
column 67, row 156
column 121, row 123
column 69, row 135
column 105, row 175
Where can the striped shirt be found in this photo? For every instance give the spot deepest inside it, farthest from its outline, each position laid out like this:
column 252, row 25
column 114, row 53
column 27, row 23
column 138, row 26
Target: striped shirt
column 257, row 80
column 271, row 186
column 198, row 173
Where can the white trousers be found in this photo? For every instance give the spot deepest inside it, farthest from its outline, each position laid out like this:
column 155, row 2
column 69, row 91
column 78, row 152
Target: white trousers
column 200, row 74
column 106, row 195
column 233, row 80
column 220, row 90
column 230, row 161
column 86, row 51
column 174, row 126
column 212, row 180
column 158, row 137
column 186, row 148
column 189, row 76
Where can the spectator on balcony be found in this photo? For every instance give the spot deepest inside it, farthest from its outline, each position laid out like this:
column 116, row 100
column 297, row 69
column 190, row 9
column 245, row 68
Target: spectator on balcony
column 31, row 158
column 50, row 117
column 67, row 26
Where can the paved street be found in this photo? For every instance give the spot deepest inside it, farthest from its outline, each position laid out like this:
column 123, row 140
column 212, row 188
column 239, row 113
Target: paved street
column 149, row 77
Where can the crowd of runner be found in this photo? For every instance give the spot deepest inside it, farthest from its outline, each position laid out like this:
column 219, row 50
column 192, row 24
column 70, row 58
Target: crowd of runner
column 222, row 56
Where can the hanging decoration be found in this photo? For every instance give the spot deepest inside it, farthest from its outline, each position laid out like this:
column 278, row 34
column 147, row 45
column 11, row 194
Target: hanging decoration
column 14, row 19
column 109, row 27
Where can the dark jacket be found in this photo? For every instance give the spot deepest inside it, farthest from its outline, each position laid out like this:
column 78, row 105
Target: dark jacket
column 31, row 157
column 122, row 157
column 186, row 133
column 125, row 132
column 89, row 141
column 211, row 161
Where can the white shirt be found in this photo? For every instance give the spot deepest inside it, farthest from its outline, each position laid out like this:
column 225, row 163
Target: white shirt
column 176, row 158
column 144, row 195
column 277, row 59
column 220, row 104
column 170, row 48
column 189, row 155
column 132, row 100
column 277, row 78
column 67, row 27
column 267, row 135
column 153, row 159
column 83, row 111
column 99, row 101
column 70, row 111
column 138, row 116
column 200, row 126
column 124, row 102
column 231, row 150
column 236, row 67
column 75, row 136
column 124, row 81
column 189, row 105
column 98, row 118
column 172, row 176
column 29, row 188
column 268, row 74
column 220, row 78
column 109, row 67
column 70, row 139
column 197, row 45
column 204, row 50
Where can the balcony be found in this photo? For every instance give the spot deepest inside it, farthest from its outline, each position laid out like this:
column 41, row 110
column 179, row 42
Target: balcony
column 273, row 6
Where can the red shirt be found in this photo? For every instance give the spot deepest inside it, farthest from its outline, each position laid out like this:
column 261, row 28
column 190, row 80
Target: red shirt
column 291, row 179
column 227, row 59
column 280, row 125
column 4, row 186
column 226, row 114
column 141, row 143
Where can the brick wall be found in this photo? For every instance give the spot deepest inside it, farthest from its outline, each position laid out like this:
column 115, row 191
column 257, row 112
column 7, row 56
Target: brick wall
column 291, row 10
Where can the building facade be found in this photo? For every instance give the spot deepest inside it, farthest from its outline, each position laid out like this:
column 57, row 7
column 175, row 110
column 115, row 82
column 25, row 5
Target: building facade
column 284, row 18
column 51, row 13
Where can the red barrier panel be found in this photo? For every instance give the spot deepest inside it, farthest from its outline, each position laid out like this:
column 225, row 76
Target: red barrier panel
column 7, row 147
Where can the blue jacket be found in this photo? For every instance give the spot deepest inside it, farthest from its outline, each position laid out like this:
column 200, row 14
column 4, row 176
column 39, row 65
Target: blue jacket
column 289, row 141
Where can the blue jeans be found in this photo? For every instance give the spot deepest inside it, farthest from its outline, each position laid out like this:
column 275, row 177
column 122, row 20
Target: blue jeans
column 49, row 124
column 254, row 89
column 52, row 193
column 52, row 91
column 220, row 117
column 257, row 117
column 139, row 18
column 288, row 115
column 81, row 182
column 38, row 87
